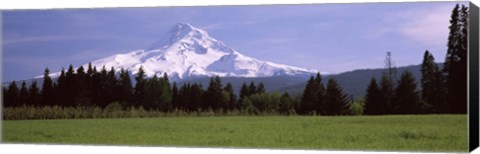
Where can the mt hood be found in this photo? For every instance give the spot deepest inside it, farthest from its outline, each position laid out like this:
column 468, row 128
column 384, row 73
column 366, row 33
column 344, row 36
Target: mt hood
column 187, row 52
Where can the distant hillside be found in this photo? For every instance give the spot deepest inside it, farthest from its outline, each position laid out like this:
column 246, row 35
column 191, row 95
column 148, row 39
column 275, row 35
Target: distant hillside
column 355, row 82
column 271, row 83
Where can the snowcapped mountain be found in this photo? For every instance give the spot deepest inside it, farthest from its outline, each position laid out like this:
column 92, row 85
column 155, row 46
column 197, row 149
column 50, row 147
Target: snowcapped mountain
column 188, row 52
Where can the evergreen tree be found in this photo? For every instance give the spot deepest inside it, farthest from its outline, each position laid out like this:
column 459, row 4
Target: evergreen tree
column 213, row 95
column 260, row 88
column 406, row 96
column 386, row 93
column 5, row 100
column 81, row 92
column 175, row 96
column 97, row 86
column 387, row 84
column 89, row 86
column 285, row 105
column 320, row 91
column 152, row 94
column 125, row 88
column 111, row 84
column 373, row 99
column 165, row 93
column 244, row 92
column 23, row 97
column 70, row 87
column 103, row 94
column 231, row 99
column 12, row 95
column 90, row 70
column 195, row 97
column 455, row 67
column 433, row 92
column 439, row 103
column 61, row 89
column 47, row 89
column 33, row 94
column 166, row 80
column 139, row 86
column 309, row 97
column 336, row 102
column 190, row 97
column 182, row 99
column 252, row 89
column 313, row 97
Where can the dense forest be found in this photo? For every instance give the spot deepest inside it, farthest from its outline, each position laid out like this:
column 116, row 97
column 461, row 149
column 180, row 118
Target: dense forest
column 106, row 91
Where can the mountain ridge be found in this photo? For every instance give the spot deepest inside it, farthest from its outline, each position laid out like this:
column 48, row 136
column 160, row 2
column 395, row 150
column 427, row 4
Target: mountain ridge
column 187, row 52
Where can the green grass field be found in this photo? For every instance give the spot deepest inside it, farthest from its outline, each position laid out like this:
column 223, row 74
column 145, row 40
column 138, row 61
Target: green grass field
column 399, row 133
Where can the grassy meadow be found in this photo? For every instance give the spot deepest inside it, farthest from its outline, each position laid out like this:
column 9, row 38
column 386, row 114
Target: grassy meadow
column 394, row 132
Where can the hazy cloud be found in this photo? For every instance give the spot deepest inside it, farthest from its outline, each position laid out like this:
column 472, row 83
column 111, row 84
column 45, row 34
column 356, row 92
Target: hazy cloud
column 427, row 26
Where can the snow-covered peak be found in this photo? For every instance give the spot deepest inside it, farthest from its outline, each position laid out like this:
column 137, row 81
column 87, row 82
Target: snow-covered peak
column 187, row 31
column 185, row 36
column 186, row 51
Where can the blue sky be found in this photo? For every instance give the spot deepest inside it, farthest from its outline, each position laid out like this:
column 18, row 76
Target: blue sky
column 332, row 38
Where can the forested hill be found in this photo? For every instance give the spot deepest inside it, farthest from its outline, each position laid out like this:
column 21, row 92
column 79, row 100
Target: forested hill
column 355, row 82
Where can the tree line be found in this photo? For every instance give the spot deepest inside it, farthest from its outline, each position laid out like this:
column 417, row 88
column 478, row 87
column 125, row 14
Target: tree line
column 76, row 88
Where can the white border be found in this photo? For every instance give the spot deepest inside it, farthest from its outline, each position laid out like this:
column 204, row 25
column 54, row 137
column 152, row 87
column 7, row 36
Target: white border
column 49, row 4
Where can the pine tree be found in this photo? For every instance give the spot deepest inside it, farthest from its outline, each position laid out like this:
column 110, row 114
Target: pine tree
column 373, row 99
column 89, row 86
column 232, row 99
column 214, row 94
column 285, row 105
column 33, row 94
column 81, row 91
column 195, row 97
column 313, row 97
column 5, row 100
column 125, row 88
column 406, row 96
column 243, row 94
column 152, row 94
column 12, row 95
column 455, row 67
column 70, row 87
column 139, row 86
column 260, row 88
column 111, row 83
column 439, row 104
column 102, row 91
column 182, row 99
column 23, row 96
column 47, row 89
column 309, row 97
column 386, row 93
column 97, row 87
column 336, row 102
column 175, row 97
column 61, row 89
column 252, row 89
column 320, row 91
column 387, row 84
column 165, row 93
column 433, row 93
column 90, row 70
